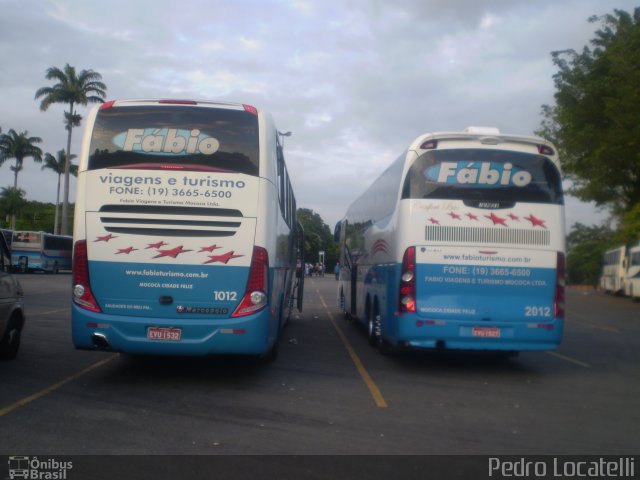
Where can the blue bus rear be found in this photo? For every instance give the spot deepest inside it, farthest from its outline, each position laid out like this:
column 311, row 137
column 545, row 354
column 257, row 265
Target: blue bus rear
column 175, row 227
column 459, row 245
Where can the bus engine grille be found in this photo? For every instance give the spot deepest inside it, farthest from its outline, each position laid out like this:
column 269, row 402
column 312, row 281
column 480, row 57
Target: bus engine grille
column 170, row 221
column 437, row 233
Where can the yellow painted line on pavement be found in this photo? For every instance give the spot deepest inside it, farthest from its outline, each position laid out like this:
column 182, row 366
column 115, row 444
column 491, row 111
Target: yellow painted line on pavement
column 569, row 359
column 31, row 398
column 371, row 385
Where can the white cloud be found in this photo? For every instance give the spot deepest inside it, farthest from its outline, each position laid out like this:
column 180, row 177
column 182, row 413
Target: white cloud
column 354, row 81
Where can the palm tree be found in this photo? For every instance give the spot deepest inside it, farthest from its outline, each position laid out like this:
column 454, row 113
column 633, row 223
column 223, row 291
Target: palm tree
column 72, row 89
column 57, row 164
column 19, row 146
column 71, row 121
column 12, row 200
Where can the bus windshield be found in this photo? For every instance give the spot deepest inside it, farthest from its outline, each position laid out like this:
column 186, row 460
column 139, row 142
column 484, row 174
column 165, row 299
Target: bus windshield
column 476, row 175
column 175, row 138
column 33, row 238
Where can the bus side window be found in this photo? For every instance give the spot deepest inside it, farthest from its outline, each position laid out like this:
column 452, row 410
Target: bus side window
column 281, row 179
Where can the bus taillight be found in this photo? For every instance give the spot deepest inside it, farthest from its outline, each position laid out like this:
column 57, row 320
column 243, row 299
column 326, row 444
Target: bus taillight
column 82, row 294
column 255, row 297
column 558, row 302
column 251, row 109
column 407, row 294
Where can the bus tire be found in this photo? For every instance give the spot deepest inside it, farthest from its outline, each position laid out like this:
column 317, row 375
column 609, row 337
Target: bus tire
column 386, row 349
column 270, row 356
column 374, row 325
column 10, row 343
column 371, row 332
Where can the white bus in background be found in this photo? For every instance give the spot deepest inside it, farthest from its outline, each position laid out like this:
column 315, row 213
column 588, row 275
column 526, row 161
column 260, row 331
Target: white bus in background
column 614, row 270
column 40, row 251
column 632, row 275
column 459, row 244
column 185, row 234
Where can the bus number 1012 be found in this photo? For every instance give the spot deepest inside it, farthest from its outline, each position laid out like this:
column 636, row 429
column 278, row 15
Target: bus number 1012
column 224, row 296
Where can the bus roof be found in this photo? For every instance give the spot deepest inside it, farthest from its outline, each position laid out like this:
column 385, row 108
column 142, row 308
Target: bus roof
column 179, row 102
column 489, row 136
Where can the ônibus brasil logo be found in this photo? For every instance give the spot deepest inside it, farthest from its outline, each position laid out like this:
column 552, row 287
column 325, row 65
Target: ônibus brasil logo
column 32, row 468
column 166, row 141
column 479, row 173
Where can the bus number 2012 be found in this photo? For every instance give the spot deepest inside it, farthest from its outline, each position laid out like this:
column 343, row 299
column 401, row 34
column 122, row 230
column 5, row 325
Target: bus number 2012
column 222, row 296
column 530, row 311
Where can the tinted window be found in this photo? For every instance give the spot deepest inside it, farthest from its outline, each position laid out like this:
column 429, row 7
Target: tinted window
column 26, row 237
column 484, row 175
column 189, row 138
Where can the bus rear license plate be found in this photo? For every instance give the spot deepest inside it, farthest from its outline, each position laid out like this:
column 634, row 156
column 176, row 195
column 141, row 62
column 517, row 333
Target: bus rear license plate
column 158, row 333
column 486, row 332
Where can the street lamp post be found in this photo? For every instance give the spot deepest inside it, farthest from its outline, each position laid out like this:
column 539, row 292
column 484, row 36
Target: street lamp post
column 282, row 135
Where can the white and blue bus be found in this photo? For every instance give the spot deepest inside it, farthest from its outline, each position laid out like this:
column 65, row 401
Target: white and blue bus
column 459, row 244
column 185, row 233
column 41, row 251
column 614, row 270
column 632, row 274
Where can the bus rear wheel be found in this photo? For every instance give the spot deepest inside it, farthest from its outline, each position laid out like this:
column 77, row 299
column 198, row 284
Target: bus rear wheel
column 10, row 343
column 371, row 332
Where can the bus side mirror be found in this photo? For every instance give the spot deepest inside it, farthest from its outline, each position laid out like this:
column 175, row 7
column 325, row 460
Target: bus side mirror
column 336, row 232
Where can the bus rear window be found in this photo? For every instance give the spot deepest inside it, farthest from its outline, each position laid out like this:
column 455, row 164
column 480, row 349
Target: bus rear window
column 477, row 175
column 175, row 138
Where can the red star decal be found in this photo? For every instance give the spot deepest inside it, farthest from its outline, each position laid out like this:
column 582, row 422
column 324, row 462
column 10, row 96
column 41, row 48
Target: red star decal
column 158, row 245
column 210, row 248
column 127, row 250
column 434, row 221
column 106, row 238
column 535, row 222
column 224, row 258
column 455, row 216
column 472, row 216
column 173, row 253
column 514, row 217
column 496, row 219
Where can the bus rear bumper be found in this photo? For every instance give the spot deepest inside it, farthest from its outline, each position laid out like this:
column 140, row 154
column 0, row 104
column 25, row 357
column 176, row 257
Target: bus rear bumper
column 250, row 335
column 452, row 335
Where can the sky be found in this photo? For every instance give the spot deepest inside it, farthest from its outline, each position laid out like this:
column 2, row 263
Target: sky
column 355, row 81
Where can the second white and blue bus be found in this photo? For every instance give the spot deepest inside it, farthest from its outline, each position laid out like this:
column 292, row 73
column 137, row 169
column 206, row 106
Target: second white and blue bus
column 185, row 234
column 614, row 270
column 459, row 244
column 632, row 274
column 40, row 251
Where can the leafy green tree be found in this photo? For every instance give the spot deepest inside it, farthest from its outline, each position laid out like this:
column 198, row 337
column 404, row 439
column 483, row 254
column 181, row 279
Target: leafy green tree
column 11, row 202
column 629, row 232
column 595, row 121
column 584, row 263
column 36, row 216
column 586, row 245
column 581, row 233
column 317, row 237
column 72, row 89
column 57, row 165
column 19, row 146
